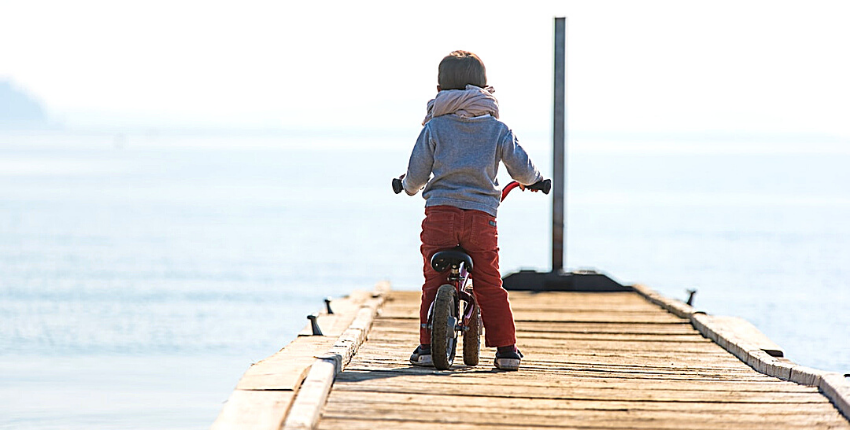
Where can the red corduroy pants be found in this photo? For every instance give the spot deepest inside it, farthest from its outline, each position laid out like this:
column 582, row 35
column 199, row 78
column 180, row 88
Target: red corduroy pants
column 446, row 227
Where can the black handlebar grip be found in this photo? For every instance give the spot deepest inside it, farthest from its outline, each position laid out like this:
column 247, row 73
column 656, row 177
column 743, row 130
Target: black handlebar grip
column 544, row 185
column 397, row 185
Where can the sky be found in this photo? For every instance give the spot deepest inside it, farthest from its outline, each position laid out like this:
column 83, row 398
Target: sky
column 651, row 67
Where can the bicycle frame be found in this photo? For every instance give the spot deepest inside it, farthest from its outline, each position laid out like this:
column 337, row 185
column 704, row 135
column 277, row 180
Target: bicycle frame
column 464, row 293
column 458, row 278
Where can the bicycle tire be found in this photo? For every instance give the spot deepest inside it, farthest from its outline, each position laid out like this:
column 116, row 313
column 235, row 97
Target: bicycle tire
column 444, row 321
column 472, row 338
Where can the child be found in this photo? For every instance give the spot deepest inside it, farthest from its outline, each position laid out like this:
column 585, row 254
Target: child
column 456, row 158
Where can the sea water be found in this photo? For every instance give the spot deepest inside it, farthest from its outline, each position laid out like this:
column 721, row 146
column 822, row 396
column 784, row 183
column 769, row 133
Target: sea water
column 140, row 276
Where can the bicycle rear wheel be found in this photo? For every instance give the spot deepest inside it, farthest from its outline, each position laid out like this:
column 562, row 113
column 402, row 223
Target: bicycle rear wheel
column 472, row 337
column 443, row 323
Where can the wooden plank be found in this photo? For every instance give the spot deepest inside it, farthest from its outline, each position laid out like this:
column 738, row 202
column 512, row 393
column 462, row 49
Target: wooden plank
column 586, row 419
column 487, row 414
column 349, row 398
column 607, row 335
column 254, row 410
column 555, row 327
column 554, row 317
column 615, row 360
column 647, row 376
column 378, row 423
column 740, row 331
column 584, row 393
column 305, row 410
column 486, row 380
column 837, row 388
column 676, row 307
column 635, row 307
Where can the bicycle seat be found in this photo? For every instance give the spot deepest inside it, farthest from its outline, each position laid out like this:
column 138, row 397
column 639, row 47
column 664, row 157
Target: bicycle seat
column 442, row 260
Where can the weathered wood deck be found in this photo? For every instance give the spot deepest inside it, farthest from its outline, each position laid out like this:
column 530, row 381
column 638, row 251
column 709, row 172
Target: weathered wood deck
column 592, row 360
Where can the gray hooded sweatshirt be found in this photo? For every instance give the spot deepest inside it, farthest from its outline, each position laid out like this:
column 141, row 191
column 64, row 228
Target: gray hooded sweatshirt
column 463, row 155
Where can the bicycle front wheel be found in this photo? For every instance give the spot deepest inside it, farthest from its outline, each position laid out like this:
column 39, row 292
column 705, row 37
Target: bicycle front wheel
column 443, row 323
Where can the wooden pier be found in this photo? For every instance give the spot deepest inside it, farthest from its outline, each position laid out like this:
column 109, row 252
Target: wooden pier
column 630, row 360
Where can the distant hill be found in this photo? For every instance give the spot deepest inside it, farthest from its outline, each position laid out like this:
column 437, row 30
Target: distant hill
column 18, row 109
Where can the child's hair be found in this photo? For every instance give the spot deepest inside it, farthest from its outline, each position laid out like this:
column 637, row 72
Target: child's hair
column 459, row 69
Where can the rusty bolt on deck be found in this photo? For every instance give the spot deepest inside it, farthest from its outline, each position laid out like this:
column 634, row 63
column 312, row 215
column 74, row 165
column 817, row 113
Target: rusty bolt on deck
column 315, row 325
column 691, row 294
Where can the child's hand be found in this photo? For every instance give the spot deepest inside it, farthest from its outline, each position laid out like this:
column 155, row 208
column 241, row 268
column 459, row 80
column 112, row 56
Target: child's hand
column 524, row 187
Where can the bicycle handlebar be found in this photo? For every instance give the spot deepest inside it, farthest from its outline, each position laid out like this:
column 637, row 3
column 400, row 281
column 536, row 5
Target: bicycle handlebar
column 544, row 185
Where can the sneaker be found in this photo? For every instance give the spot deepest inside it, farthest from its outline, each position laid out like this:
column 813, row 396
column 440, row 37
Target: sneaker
column 508, row 358
column 422, row 356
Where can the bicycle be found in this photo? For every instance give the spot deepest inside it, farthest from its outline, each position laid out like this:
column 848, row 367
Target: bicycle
column 454, row 309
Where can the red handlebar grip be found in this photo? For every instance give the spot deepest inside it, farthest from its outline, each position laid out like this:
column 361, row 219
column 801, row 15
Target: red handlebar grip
column 508, row 189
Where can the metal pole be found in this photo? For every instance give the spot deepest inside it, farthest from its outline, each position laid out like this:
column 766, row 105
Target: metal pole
column 558, row 147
